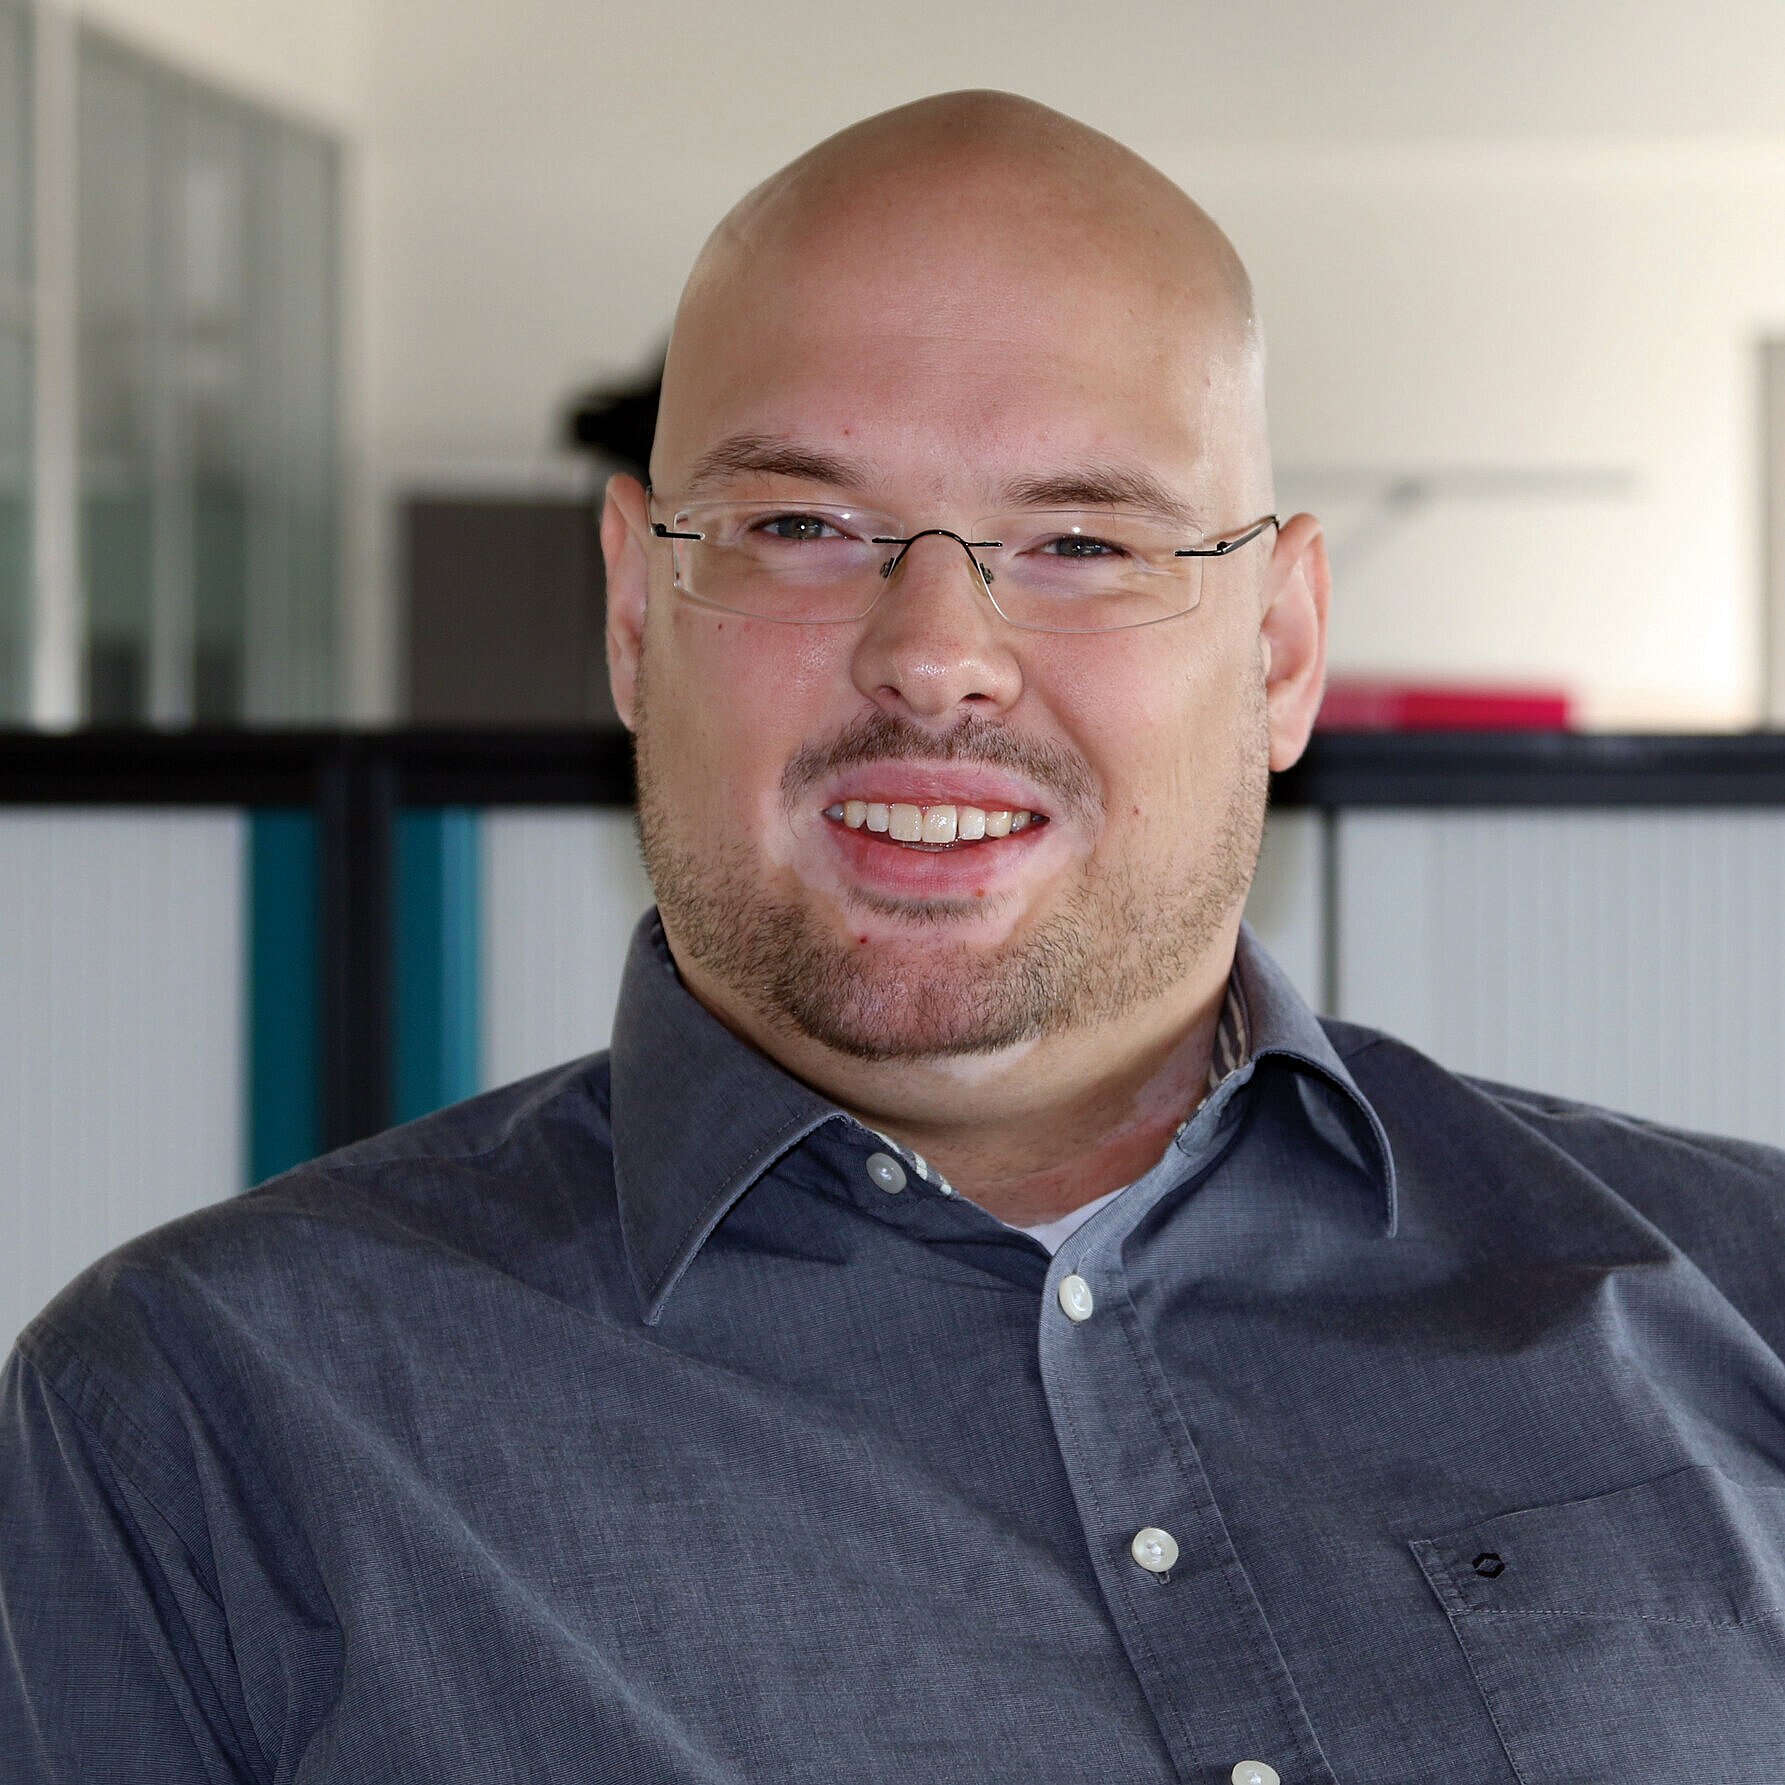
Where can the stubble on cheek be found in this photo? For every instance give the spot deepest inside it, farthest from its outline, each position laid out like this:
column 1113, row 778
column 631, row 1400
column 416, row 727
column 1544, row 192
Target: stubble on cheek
column 1128, row 930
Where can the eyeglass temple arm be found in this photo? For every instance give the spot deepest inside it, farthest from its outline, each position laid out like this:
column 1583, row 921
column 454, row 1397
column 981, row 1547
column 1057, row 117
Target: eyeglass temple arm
column 663, row 532
column 1227, row 545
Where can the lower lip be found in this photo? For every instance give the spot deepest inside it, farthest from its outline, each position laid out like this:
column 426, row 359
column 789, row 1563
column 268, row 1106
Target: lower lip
column 935, row 871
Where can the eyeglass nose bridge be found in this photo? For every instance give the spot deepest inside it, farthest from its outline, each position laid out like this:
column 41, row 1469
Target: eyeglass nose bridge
column 969, row 546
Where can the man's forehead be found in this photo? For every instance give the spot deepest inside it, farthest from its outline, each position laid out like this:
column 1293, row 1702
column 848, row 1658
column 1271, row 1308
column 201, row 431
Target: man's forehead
column 983, row 272
column 1045, row 369
column 771, row 461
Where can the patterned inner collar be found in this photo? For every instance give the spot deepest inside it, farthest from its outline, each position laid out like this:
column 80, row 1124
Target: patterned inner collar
column 1233, row 1035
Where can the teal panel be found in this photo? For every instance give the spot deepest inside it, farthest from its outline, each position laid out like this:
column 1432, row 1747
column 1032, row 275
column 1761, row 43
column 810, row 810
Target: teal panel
column 436, row 982
column 284, row 1003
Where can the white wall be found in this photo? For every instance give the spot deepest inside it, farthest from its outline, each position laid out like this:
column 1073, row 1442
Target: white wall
column 1571, row 307
column 307, row 57
column 1534, row 238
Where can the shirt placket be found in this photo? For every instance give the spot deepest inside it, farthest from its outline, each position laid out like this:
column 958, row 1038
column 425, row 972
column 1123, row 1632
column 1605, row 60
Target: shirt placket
column 1173, row 1582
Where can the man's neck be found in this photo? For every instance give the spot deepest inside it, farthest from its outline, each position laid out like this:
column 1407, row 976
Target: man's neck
column 1033, row 1132
column 1029, row 1157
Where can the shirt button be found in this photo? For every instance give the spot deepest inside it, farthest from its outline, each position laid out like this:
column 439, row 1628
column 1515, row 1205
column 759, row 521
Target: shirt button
column 1153, row 1549
column 1075, row 1298
column 1254, row 1772
column 887, row 1172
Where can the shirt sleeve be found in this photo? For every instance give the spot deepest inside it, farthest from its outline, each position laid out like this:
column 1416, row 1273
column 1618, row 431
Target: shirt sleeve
column 115, row 1661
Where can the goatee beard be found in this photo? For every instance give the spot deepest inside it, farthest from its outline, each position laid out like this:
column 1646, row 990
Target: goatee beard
column 1120, row 938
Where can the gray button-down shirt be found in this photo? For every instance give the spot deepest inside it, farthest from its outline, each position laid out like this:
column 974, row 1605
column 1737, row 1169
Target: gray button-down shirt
column 623, row 1426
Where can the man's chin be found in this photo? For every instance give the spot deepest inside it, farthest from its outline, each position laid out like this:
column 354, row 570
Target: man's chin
column 877, row 1009
column 911, row 930
column 921, row 982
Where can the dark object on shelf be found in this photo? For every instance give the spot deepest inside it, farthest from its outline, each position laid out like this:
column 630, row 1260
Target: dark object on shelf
column 506, row 612
column 619, row 424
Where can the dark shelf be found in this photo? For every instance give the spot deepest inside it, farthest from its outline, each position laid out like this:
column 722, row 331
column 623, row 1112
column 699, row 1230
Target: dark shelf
column 568, row 767
column 579, row 767
column 1537, row 769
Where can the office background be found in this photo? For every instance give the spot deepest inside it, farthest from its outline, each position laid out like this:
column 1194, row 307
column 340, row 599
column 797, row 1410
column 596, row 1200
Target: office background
column 297, row 302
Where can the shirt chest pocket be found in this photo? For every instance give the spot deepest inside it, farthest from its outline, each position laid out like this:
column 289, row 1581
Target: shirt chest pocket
column 1633, row 1638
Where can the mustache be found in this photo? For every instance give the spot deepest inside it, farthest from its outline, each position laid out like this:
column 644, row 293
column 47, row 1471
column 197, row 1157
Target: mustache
column 885, row 737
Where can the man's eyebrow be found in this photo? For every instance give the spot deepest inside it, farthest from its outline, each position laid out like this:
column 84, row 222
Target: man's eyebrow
column 1102, row 486
column 769, row 455
column 1090, row 486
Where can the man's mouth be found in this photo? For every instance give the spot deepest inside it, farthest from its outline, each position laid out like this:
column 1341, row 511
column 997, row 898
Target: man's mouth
column 931, row 827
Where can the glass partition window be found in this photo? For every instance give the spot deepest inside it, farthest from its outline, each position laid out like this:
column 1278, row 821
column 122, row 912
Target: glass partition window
column 15, row 353
column 208, row 297
column 117, row 425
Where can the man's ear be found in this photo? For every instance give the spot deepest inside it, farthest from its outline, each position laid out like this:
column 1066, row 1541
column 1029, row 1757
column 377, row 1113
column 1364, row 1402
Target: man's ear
column 624, row 530
column 1297, row 590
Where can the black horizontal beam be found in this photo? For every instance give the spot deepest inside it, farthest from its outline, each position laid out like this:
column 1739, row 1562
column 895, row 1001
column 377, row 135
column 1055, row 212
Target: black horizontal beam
column 579, row 767
column 566, row 767
column 150, row 768
column 1556, row 769
column 512, row 768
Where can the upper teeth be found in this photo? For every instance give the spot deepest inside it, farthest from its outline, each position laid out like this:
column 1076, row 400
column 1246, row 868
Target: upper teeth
column 929, row 824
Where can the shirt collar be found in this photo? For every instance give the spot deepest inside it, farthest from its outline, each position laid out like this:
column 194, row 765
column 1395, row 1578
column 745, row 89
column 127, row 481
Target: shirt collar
column 1281, row 1026
column 699, row 1115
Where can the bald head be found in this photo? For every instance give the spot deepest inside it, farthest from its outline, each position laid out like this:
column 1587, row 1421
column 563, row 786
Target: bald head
column 988, row 171
column 971, row 217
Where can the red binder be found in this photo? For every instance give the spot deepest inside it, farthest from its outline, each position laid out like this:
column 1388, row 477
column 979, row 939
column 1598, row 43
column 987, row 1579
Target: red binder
column 1355, row 703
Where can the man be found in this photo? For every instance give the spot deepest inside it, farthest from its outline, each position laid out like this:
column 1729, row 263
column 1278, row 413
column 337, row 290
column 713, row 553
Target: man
column 977, row 1324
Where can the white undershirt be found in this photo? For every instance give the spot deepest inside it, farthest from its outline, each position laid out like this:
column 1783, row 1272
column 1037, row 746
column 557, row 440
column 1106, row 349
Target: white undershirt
column 1055, row 1234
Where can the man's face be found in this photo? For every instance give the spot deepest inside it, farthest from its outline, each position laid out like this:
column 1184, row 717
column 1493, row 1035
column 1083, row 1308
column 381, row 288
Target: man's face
column 941, row 390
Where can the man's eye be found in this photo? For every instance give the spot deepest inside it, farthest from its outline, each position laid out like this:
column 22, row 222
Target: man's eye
column 797, row 527
column 1076, row 545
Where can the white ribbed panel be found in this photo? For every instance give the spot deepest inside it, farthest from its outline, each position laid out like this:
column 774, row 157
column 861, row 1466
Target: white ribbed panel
column 561, row 893
column 1635, row 959
column 121, row 1030
column 1287, row 904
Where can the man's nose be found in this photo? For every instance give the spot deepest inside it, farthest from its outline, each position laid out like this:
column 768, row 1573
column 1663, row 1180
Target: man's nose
column 933, row 643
